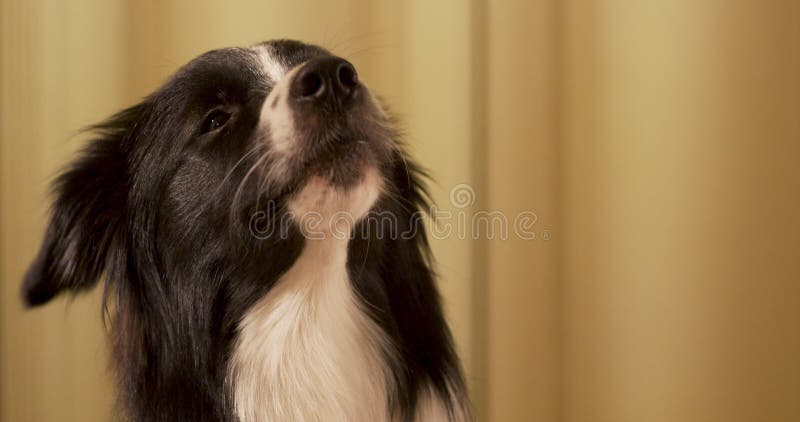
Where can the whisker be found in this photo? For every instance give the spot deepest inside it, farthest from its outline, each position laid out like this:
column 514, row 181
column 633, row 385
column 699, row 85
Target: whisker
column 215, row 194
column 349, row 47
column 258, row 146
column 369, row 49
column 366, row 255
column 238, row 194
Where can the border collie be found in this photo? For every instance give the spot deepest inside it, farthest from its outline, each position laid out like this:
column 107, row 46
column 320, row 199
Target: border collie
column 230, row 216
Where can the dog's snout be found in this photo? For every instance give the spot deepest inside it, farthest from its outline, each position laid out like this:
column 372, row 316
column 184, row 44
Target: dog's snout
column 326, row 79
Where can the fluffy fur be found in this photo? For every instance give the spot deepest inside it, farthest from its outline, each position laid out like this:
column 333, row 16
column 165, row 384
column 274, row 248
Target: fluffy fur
column 218, row 315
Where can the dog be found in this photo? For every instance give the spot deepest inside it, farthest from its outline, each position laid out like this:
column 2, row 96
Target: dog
column 230, row 215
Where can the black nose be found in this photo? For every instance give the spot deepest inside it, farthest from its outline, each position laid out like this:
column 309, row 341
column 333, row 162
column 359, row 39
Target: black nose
column 326, row 79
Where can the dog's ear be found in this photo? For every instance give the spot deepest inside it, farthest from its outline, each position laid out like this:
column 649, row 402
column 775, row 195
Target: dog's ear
column 88, row 214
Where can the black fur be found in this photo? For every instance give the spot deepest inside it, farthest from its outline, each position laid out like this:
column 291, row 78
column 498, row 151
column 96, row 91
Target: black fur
column 162, row 212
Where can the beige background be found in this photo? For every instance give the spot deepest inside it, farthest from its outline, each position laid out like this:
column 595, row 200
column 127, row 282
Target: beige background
column 657, row 142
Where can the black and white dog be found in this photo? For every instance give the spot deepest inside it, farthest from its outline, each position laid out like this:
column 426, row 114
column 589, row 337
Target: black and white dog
column 229, row 214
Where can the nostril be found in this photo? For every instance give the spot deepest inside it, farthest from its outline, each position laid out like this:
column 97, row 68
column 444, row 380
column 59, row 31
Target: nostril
column 325, row 79
column 348, row 78
column 310, row 84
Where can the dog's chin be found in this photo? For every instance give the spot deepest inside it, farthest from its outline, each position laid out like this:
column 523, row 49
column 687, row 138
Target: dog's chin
column 341, row 163
column 332, row 204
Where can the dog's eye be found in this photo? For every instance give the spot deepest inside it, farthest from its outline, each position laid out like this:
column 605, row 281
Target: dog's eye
column 215, row 120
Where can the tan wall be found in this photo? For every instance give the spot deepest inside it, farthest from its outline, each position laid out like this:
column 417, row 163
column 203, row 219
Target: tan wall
column 682, row 211
column 61, row 69
column 522, row 174
column 656, row 142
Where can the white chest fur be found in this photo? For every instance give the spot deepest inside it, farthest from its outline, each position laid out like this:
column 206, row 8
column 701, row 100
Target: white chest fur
column 307, row 351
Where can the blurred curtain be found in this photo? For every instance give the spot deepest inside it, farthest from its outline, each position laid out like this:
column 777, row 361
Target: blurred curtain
column 681, row 211
column 656, row 142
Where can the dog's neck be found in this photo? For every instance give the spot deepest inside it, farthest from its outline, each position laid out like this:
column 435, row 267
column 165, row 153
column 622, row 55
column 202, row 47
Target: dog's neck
column 308, row 351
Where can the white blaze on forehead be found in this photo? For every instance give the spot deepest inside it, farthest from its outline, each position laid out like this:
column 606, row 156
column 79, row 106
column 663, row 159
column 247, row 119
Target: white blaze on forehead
column 270, row 64
column 277, row 116
column 277, row 123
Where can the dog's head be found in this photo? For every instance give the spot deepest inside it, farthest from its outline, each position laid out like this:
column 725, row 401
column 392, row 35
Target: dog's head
column 202, row 174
